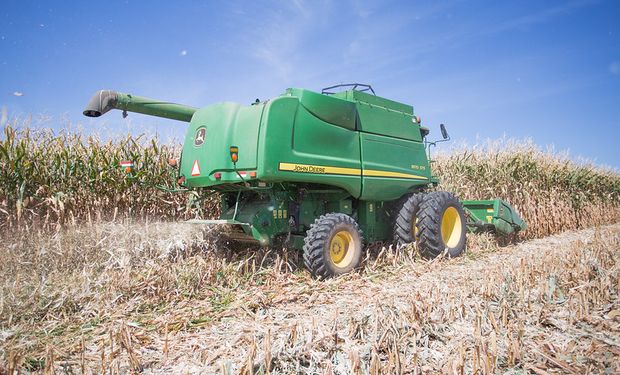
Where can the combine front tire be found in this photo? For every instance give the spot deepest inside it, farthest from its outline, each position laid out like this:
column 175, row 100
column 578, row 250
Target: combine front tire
column 405, row 231
column 441, row 225
column 333, row 245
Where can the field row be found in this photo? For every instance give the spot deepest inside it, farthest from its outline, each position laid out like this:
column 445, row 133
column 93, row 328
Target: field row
column 52, row 180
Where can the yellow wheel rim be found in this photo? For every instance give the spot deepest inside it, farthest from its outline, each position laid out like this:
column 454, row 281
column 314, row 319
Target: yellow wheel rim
column 451, row 227
column 341, row 249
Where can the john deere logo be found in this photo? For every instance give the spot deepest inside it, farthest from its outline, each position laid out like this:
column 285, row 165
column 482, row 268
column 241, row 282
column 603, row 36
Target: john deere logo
column 199, row 139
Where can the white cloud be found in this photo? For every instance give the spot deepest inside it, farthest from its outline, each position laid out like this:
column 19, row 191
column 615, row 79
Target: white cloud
column 301, row 8
column 280, row 37
column 183, row 53
column 544, row 15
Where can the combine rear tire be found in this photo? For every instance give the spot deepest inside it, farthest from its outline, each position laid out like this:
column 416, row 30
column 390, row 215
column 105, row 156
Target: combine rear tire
column 405, row 226
column 441, row 225
column 333, row 245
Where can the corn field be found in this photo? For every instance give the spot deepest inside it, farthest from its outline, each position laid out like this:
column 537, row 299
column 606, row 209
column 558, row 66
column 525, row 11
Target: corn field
column 52, row 180
column 550, row 191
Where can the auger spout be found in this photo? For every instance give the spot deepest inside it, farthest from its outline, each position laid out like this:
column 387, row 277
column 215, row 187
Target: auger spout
column 105, row 100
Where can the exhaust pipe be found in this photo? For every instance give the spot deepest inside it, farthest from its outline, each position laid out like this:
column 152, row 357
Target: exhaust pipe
column 101, row 102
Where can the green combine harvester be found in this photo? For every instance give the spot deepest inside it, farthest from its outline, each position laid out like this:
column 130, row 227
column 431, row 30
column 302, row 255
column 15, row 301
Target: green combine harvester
column 323, row 172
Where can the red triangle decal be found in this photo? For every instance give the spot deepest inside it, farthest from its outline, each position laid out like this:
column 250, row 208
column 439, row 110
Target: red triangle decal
column 196, row 169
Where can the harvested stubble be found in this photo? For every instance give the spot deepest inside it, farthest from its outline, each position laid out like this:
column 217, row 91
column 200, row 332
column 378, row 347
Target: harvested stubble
column 156, row 298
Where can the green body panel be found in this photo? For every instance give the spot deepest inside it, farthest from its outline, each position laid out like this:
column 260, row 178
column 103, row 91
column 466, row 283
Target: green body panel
column 401, row 163
column 327, row 108
column 495, row 215
column 296, row 146
column 363, row 97
column 375, row 221
column 226, row 124
column 383, row 116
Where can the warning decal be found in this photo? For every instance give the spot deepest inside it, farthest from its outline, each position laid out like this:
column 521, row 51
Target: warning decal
column 196, row 169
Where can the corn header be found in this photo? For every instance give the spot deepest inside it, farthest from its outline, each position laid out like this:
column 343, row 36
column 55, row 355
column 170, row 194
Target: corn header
column 322, row 172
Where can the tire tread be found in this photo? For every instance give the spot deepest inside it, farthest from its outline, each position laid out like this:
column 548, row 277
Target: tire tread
column 430, row 242
column 314, row 242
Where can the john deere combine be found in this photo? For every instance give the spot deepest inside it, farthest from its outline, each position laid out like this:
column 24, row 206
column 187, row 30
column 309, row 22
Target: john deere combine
column 323, row 172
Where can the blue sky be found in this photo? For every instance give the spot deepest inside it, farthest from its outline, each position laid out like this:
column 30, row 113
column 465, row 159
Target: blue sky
column 544, row 70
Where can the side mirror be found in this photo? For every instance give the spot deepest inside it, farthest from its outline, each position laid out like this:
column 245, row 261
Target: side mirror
column 444, row 132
